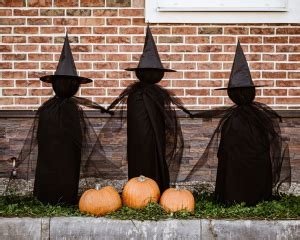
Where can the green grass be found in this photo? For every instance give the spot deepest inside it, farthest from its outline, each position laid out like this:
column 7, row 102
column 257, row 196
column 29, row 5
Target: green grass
column 285, row 207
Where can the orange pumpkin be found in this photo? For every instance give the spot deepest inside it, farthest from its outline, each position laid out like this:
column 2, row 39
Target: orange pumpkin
column 100, row 201
column 140, row 191
column 174, row 199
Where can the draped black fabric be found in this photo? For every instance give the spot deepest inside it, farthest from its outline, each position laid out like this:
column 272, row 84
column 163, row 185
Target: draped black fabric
column 154, row 137
column 62, row 147
column 253, row 155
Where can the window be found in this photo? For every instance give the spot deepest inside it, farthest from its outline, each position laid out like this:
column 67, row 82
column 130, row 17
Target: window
column 222, row 11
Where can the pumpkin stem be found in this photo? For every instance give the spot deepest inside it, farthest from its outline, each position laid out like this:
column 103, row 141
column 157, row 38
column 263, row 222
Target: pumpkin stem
column 141, row 178
column 97, row 186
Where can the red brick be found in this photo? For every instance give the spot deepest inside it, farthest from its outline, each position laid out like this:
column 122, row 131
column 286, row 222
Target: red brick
column 40, row 57
column 275, row 75
column 13, row 75
column 5, row 48
column 221, row 57
column 117, row 39
column 253, row 57
column 197, row 40
column 118, row 3
column 210, row 30
column 92, row 57
column 5, row 30
column 275, row 92
column 14, row 92
column 210, row 48
column 173, row 75
column 51, row 30
column 6, row 101
column 184, row 83
column 12, row 21
column 184, row 30
column 106, row 83
column 131, row 48
column 170, row 57
column 26, row 30
column 105, row 12
column 288, row 66
column 29, row 83
column 285, row 100
column 41, row 92
column 209, row 66
column 26, row 65
column 294, row 75
column 172, row 39
column 118, row 75
column 12, row 3
column 66, row 3
column 6, row 83
column 275, row 39
column 72, row 39
column 105, row 48
column 13, row 39
column 261, row 66
column 294, row 39
column 23, row 12
column 118, row 21
column 39, row 3
column 39, row 21
column 294, row 92
column 288, row 31
column 91, row 21
column 79, row 30
column 287, row 48
column 93, row 91
column 5, row 65
column 250, row 40
column 262, row 48
column 92, row 39
column 220, row 75
column 105, row 30
column 131, row 12
column 105, row 65
column 67, row 21
column 274, row 57
column 5, row 12
column 27, row 101
column 13, row 57
column 183, row 48
column 196, row 75
column 140, row 39
column 52, row 12
column 92, row 3
column 160, row 30
column 131, row 30
column 210, row 100
column 92, row 75
column 117, row 57
column 184, row 66
column 196, row 57
column 262, row 31
column 26, row 48
column 287, row 83
column 222, row 40
column 37, row 39
column 236, row 30
column 197, row 92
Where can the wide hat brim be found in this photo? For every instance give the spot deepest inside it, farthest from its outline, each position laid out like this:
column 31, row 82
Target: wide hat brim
column 163, row 69
column 256, row 86
column 50, row 78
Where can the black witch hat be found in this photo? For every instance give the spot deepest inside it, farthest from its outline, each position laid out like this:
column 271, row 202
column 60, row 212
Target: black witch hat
column 150, row 58
column 240, row 76
column 66, row 66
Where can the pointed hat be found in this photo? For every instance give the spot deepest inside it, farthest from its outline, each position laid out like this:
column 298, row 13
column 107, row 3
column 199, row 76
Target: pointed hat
column 150, row 58
column 66, row 66
column 240, row 75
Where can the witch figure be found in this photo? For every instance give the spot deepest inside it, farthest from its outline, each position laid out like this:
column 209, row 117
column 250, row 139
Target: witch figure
column 154, row 137
column 68, row 147
column 253, row 156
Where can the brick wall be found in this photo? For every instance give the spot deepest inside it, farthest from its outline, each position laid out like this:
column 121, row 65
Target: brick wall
column 107, row 36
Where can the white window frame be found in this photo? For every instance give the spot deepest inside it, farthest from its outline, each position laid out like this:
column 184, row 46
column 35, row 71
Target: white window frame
column 222, row 11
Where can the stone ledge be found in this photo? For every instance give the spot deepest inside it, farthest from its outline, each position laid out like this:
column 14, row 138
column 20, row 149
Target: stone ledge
column 103, row 228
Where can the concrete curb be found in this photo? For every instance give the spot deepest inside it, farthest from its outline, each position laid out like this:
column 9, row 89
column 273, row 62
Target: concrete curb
column 102, row 228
